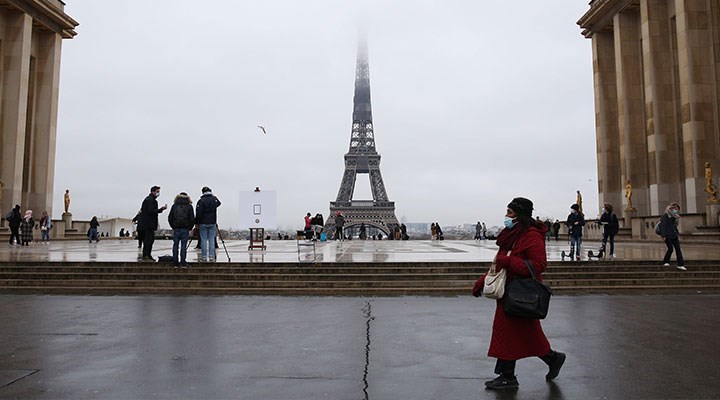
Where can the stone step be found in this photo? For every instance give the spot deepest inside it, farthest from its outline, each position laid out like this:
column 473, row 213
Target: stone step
column 384, row 291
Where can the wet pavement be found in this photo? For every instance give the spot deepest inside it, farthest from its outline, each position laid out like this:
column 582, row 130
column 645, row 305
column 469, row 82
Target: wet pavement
column 195, row 347
column 347, row 251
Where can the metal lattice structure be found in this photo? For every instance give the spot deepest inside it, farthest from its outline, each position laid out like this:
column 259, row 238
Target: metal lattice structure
column 363, row 158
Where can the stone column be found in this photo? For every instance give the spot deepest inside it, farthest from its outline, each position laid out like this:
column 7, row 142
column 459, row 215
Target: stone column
column 696, row 65
column 606, row 113
column 40, row 194
column 16, row 62
column 660, row 106
column 633, row 146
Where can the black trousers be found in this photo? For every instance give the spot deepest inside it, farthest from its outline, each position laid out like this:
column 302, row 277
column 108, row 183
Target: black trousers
column 507, row 367
column 148, row 241
column 15, row 233
column 671, row 244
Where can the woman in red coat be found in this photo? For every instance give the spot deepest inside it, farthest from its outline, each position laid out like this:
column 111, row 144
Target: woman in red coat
column 515, row 338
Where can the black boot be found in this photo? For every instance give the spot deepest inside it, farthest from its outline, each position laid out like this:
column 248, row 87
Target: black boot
column 555, row 361
column 502, row 382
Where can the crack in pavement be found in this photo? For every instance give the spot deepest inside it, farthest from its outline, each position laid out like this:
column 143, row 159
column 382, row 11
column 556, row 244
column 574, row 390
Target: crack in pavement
column 367, row 310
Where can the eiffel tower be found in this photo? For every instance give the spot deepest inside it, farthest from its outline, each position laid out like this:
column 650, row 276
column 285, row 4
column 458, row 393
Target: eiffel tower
column 363, row 158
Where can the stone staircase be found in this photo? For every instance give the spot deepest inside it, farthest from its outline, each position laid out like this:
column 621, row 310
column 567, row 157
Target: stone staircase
column 341, row 279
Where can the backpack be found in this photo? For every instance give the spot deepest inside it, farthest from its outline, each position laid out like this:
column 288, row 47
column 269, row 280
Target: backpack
column 658, row 230
column 9, row 215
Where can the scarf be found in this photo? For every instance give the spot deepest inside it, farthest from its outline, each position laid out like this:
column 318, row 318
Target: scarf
column 508, row 237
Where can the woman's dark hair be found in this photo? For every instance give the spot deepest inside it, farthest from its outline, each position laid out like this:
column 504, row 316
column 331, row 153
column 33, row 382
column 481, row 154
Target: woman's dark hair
column 608, row 207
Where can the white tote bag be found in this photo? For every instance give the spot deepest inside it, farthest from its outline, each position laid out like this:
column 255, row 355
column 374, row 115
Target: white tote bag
column 494, row 287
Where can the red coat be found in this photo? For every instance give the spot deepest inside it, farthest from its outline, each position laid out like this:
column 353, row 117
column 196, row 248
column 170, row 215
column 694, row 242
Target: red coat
column 516, row 338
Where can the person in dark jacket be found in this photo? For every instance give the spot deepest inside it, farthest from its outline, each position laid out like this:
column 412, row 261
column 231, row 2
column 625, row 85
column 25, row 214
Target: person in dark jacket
column 140, row 234
column 575, row 222
column 93, row 231
column 556, row 229
column 513, row 338
column 611, row 226
column 14, row 218
column 181, row 219
column 671, row 235
column 339, row 224
column 148, row 221
column 206, row 219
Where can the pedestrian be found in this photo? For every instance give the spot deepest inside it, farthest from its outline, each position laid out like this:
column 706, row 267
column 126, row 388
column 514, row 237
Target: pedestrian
column 14, row 219
column 181, row 219
column 45, row 226
column 516, row 338
column 433, row 231
column 206, row 220
column 611, row 226
column 403, row 231
column 670, row 234
column 148, row 221
column 548, row 226
column 308, row 226
column 317, row 224
column 92, row 233
column 140, row 234
column 339, row 223
column 478, row 231
column 26, row 228
column 363, row 232
column 484, row 231
column 556, row 229
column 439, row 232
column 575, row 222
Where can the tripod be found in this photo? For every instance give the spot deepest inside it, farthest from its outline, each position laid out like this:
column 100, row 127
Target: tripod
column 217, row 235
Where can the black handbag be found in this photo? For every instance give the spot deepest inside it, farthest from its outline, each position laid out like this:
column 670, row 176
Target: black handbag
column 527, row 297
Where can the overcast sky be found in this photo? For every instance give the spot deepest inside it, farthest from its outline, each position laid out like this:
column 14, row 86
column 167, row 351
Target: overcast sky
column 474, row 103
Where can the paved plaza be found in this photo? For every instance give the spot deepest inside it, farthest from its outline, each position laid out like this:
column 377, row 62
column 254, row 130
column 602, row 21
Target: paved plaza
column 346, row 251
column 246, row 347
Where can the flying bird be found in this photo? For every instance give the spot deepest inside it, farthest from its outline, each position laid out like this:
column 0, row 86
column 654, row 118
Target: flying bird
column 262, row 128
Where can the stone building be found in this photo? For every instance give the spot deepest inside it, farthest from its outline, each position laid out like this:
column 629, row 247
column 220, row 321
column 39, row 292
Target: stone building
column 31, row 34
column 656, row 70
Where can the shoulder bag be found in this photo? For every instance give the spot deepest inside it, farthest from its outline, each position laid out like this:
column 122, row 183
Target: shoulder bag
column 494, row 286
column 527, row 297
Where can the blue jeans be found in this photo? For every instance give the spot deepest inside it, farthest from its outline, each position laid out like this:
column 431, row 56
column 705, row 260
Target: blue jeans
column 45, row 235
column 207, row 240
column 577, row 241
column 180, row 237
column 93, row 234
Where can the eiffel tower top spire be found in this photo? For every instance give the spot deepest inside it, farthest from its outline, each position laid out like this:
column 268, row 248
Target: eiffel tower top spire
column 362, row 139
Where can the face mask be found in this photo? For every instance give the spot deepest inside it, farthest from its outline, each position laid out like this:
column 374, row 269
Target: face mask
column 573, row 211
column 509, row 223
column 156, row 194
column 674, row 212
column 604, row 210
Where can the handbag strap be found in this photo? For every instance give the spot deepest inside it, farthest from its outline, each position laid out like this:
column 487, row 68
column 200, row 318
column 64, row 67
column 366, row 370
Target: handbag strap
column 530, row 267
column 494, row 263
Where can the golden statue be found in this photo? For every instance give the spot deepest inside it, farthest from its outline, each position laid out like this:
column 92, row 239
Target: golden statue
column 628, row 195
column 709, row 187
column 578, row 201
column 67, row 200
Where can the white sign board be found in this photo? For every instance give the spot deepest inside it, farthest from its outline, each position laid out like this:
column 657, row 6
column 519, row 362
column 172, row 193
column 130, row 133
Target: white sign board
column 258, row 209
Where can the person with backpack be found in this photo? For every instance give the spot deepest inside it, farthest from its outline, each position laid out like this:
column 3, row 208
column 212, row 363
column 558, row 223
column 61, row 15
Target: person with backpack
column 181, row 219
column 206, row 219
column 668, row 229
column 611, row 226
column 45, row 226
column 93, row 231
column 14, row 218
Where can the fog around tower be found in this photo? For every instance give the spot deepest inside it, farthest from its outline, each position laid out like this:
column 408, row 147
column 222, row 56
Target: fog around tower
column 473, row 103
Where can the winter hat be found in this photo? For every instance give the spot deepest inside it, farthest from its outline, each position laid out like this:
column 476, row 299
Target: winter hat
column 521, row 206
column 575, row 207
column 206, row 189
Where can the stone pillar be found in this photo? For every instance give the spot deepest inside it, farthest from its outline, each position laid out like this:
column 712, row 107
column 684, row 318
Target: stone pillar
column 633, row 146
column 712, row 210
column 698, row 107
column 661, row 112
column 628, row 215
column 67, row 220
column 41, row 186
column 13, row 108
column 608, row 155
